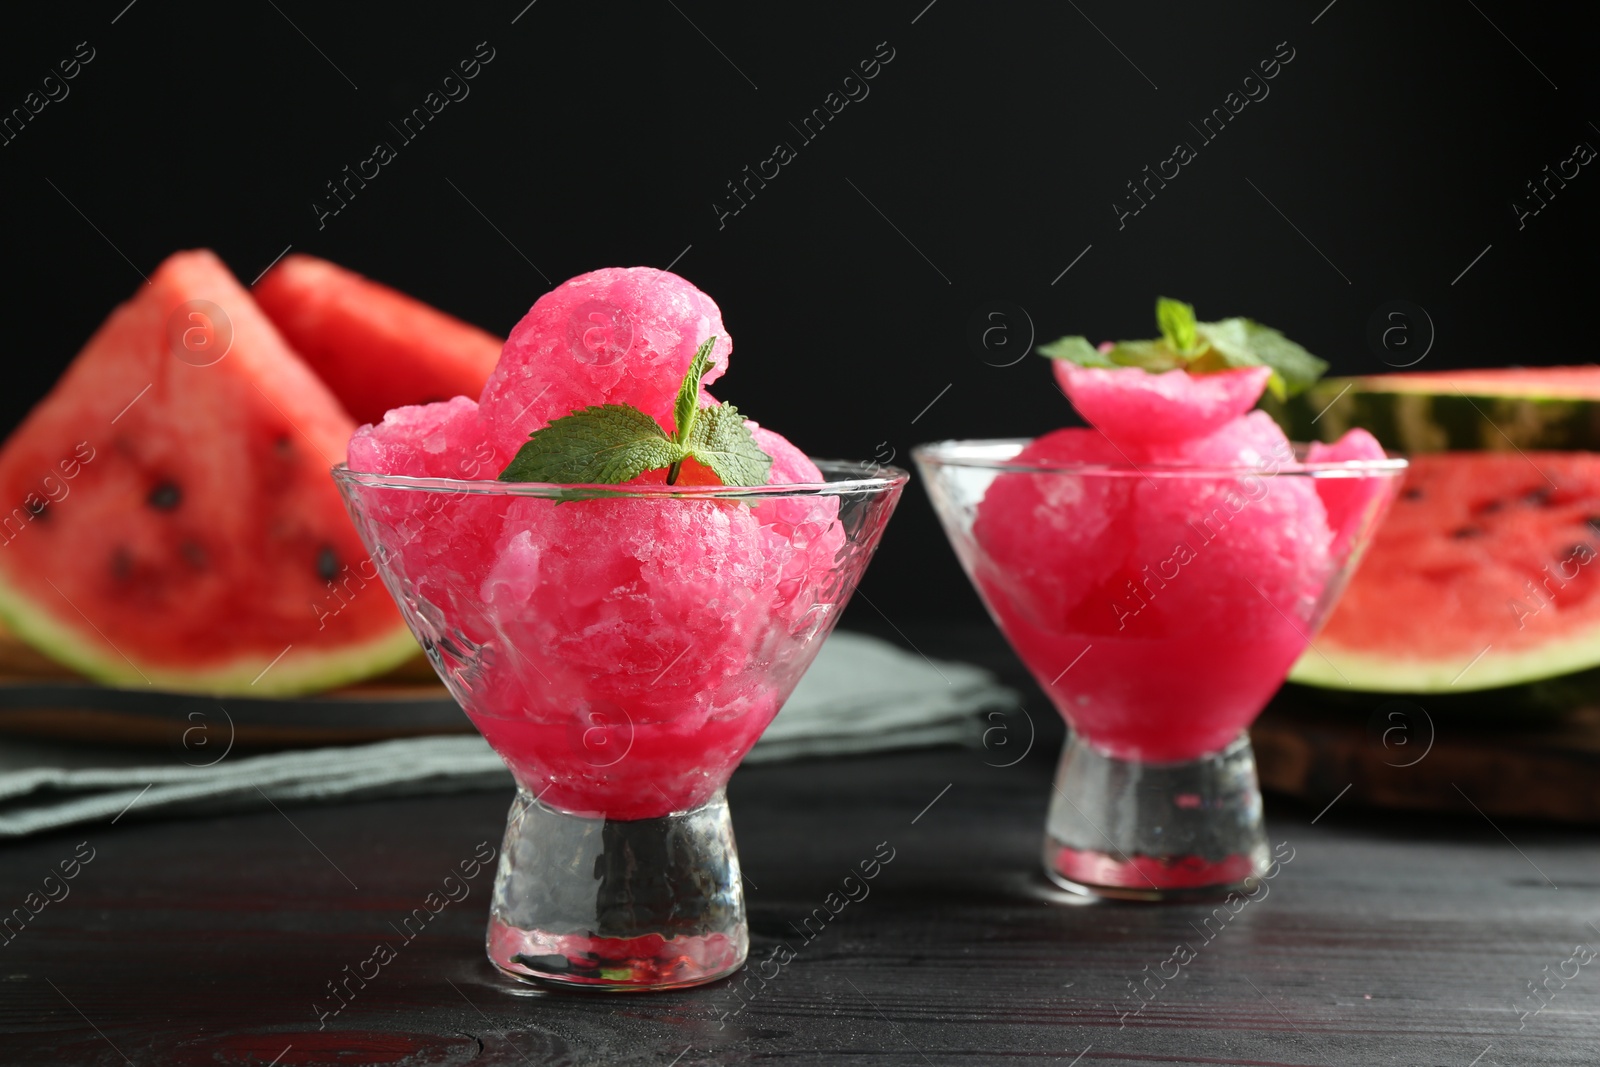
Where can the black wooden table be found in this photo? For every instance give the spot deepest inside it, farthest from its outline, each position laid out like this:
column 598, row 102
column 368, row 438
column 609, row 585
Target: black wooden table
column 1383, row 940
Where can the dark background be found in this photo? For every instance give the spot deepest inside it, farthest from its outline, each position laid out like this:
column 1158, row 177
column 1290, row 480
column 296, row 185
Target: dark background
column 984, row 161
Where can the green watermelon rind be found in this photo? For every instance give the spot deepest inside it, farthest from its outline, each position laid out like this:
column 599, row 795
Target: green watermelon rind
column 1415, row 417
column 1330, row 667
column 311, row 671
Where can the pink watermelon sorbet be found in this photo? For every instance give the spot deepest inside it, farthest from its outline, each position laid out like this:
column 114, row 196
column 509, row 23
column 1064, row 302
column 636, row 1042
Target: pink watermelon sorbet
column 621, row 654
column 443, row 440
column 621, row 335
column 1160, row 572
column 1172, row 406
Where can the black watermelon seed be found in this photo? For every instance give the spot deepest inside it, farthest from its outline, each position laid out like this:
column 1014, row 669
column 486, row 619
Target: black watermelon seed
column 1539, row 497
column 1594, row 523
column 1462, row 533
column 39, row 510
column 1577, row 553
column 1489, row 507
column 1412, row 493
column 194, row 554
column 327, row 563
column 165, row 496
column 284, row 447
column 121, row 563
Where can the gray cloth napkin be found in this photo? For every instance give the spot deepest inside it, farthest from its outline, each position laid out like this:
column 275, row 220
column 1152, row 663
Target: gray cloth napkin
column 861, row 695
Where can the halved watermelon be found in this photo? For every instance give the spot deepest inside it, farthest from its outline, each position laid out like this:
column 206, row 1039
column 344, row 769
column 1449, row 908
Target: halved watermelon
column 169, row 516
column 374, row 347
column 1485, row 573
column 1498, row 409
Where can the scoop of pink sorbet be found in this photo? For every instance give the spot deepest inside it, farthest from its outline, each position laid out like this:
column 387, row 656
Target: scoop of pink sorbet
column 1049, row 539
column 1348, row 499
column 442, row 440
column 1161, row 602
column 620, row 654
column 1131, row 405
column 621, row 335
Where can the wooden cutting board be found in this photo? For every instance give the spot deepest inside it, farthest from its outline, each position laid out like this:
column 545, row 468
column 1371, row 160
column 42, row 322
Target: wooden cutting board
column 1400, row 755
column 41, row 698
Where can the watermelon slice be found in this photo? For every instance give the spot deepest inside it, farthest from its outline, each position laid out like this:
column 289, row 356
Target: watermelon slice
column 374, row 347
column 1501, row 409
column 1485, row 573
column 170, row 519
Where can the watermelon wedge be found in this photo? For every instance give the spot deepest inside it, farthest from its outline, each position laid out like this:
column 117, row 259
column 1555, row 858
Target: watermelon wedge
column 168, row 518
column 1498, row 409
column 376, row 348
column 1486, row 573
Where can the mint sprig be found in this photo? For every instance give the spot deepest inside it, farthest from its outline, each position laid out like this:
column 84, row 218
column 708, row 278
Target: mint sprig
column 1178, row 327
column 608, row 444
column 1201, row 348
column 719, row 438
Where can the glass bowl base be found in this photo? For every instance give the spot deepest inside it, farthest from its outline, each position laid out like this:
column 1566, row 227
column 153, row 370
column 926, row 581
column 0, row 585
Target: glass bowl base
column 1180, row 879
column 589, row 902
column 1126, row 829
column 612, row 964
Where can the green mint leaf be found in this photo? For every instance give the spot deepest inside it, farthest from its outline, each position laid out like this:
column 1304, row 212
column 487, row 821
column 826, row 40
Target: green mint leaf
column 1154, row 356
column 1075, row 350
column 1298, row 368
column 722, row 442
column 1240, row 342
column 609, row 444
column 1202, row 348
column 1176, row 321
column 686, row 410
column 606, row 444
column 1231, row 339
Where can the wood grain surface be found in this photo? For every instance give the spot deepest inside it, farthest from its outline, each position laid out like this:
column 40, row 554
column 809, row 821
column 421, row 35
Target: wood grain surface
column 1400, row 755
column 1386, row 939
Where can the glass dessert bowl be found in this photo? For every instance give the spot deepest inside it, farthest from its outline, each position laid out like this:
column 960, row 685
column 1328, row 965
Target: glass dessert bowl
column 621, row 647
column 1159, row 605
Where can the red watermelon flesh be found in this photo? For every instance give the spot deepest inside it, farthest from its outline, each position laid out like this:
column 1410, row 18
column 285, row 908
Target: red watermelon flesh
column 374, row 347
column 169, row 515
column 1485, row 573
